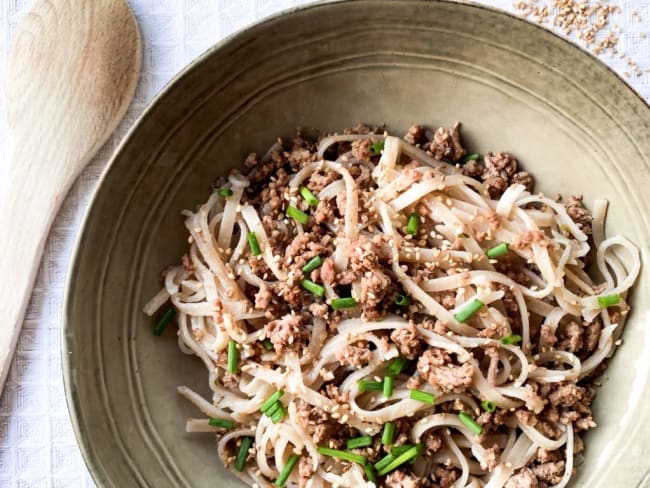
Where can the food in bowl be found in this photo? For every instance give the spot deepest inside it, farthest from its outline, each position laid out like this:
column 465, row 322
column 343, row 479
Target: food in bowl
column 375, row 310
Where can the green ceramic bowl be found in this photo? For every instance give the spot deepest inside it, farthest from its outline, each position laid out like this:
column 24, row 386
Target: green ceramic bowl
column 515, row 86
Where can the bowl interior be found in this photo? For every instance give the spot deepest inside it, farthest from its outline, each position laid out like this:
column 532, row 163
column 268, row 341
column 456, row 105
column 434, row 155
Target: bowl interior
column 571, row 122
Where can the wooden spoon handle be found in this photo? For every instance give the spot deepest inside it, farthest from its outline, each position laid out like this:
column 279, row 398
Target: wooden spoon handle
column 28, row 207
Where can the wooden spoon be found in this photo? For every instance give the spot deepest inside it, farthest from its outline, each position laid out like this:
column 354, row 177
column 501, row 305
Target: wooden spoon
column 73, row 69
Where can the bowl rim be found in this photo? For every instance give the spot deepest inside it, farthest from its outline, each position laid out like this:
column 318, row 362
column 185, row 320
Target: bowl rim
column 91, row 460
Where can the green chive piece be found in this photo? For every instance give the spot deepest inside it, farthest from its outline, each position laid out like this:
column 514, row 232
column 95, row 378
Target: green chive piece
column 397, row 365
column 402, row 300
column 273, row 409
column 347, row 302
column 370, row 473
column 254, row 244
column 224, row 192
column 470, row 422
column 399, row 450
column 246, row 444
column 365, row 385
column 222, row 423
column 377, row 147
column 388, row 434
column 496, row 251
column 315, row 288
column 511, row 339
column 469, row 310
column 279, row 414
column 489, row 406
column 413, row 224
column 297, row 215
column 286, row 471
column 470, row 157
column 164, row 321
column 383, row 462
column 412, row 453
column 423, row 396
column 346, row 456
column 233, row 357
column 315, row 262
column 388, row 386
column 357, row 442
column 420, row 447
column 609, row 300
column 270, row 401
column 309, row 197
column 268, row 345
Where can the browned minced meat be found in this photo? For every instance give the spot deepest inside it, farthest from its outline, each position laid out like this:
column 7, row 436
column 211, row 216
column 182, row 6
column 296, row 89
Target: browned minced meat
column 499, row 171
column 305, row 470
column 357, row 355
column 492, row 457
column 529, row 237
column 263, row 297
column 571, row 337
column 407, row 341
column 287, row 333
column 446, row 144
column 399, row 479
column 523, row 479
column 578, row 213
column 316, row 422
column 439, row 369
column 550, row 472
column 375, row 288
column 230, row 381
column 445, row 477
column 361, row 149
column 416, row 135
column 327, row 271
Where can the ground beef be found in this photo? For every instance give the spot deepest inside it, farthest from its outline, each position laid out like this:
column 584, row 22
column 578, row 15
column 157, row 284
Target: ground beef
column 571, row 334
column 446, row 144
column 522, row 241
column 316, row 422
column 578, row 213
column 375, row 288
column 550, row 472
column 407, row 341
column 567, row 395
column 361, row 149
column 439, row 369
column 357, row 355
column 523, row 178
column 416, row 135
column 399, row 479
column 473, row 169
column 305, row 470
column 524, row 479
column 230, row 381
column 492, row 457
column 445, row 477
column 327, row 271
column 263, row 297
column 318, row 309
column 287, row 333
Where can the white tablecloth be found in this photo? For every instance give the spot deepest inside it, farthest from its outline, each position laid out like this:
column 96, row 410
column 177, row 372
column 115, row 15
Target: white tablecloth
column 37, row 445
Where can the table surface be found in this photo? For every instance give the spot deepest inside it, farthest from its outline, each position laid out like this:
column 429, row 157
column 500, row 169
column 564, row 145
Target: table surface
column 37, row 444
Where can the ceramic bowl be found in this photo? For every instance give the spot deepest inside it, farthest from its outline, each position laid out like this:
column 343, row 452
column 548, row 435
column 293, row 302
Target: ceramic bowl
column 570, row 120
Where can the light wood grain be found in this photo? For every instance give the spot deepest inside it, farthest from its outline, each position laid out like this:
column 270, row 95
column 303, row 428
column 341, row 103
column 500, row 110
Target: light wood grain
column 72, row 74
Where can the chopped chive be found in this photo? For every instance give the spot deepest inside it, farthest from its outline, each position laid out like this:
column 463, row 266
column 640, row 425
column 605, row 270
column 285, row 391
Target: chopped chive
column 233, row 357
column 313, row 263
column 423, row 396
column 268, row 403
column 365, row 385
column 273, row 409
column 297, row 215
column 347, row 302
column 164, row 321
column 462, row 235
column 413, row 224
column 377, row 147
column 346, row 456
column 357, row 442
column 489, row 406
column 309, row 197
column 254, row 244
column 402, row 300
column 246, row 444
column 511, row 339
column 268, row 345
column 471, row 423
column 279, row 414
column 383, row 462
column 398, row 461
column 469, row 157
column 388, row 434
column 370, row 473
column 286, row 471
column 399, row 450
column 224, row 192
column 469, row 310
column 222, row 423
column 609, row 300
column 388, row 386
column 315, row 288
column 397, row 365
column 496, row 251
column 420, row 447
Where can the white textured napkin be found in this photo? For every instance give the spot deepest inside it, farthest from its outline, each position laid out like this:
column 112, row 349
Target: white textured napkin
column 37, row 445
